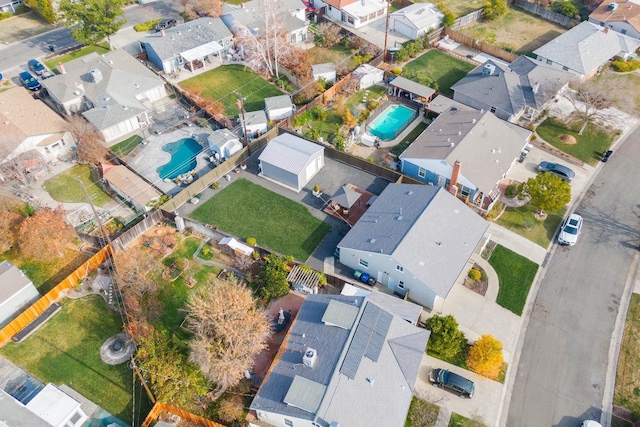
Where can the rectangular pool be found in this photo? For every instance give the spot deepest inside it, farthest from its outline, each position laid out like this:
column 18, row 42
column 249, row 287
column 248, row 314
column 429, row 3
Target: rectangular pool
column 392, row 121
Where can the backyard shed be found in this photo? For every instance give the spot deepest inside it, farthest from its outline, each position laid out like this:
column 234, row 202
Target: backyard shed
column 224, row 142
column 416, row 20
column 279, row 107
column 326, row 71
column 367, row 76
column 16, row 291
column 237, row 247
column 291, row 161
column 254, row 122
column 130, row 186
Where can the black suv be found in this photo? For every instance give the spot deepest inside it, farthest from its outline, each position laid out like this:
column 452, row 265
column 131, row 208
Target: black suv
column 166, row 23
column 452, row 382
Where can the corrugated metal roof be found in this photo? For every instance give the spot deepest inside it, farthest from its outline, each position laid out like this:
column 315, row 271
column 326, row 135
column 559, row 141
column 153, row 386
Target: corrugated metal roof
column 340, row 314
column 305, row 394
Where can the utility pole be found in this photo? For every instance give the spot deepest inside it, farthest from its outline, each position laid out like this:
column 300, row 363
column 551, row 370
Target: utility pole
column 244, row 123
column 386, row 32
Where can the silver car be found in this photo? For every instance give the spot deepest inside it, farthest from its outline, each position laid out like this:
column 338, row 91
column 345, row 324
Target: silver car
column 557, row 169
column 570, row 230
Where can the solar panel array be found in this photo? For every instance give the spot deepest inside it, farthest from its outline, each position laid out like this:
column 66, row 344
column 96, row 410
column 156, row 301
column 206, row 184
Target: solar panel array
column 368, row 339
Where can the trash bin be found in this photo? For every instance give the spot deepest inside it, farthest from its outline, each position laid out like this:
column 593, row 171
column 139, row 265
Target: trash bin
column 51, row 48
column 357, row 274
column 364, row 278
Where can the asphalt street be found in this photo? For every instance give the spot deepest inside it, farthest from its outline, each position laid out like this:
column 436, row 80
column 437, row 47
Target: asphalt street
column 561, row 373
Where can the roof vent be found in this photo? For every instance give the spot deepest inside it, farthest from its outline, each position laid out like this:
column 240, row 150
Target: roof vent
column 473, row 120
column 309, row 358
column 409, row 193
column 612, row 6
column 452, row 145
column 372, row 240
column 399, row 218
column 95, row 75
column 488, row 69
column 370, row 381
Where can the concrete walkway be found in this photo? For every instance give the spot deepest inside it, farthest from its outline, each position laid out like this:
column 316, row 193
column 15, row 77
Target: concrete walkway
column 517, row 243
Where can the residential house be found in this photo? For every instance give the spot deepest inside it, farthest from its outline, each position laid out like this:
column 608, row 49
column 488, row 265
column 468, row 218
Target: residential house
column 254, row 123
column 224, row 143
column 470, row 150
column 279, row 107
column 367, row 75
column 10, row 5
column 341, row 347
column 291, row 161
column 522, row 89
column 325, row 71
column 114, row 92
column 585, row 48
column 415, row 239
column 620, row 16
column 131, row 187
column 32, row 134
column 16, row 292
column 251, row 16
column 353, row 13
column 415, row 20
column 191, row 44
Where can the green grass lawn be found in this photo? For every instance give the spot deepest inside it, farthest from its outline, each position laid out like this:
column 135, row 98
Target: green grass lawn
column 521, row 220
column 327, row 127
column 425, row 413
column 627, row 386
column 101, row 49
column 125, row 147
column 458, row 420
column 515, row 274
column 372, row 93
column 65, row 187
column 66, row 350
column 220, row 84
column 436, row 67
column 337, row 54
column 399, row 149
column 591, row 144
column 248, row 210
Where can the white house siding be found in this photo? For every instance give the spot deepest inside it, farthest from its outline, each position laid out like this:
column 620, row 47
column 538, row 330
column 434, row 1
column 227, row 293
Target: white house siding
column 73, row 105
column 479, row 105
column 402, row 25
column 279, row 113
column 257, row 128
column 14, row 303
column 278, row 419
column 382, row 267
column 49, row 152
column 121, row 129
column 621, row 27
column 153, row 94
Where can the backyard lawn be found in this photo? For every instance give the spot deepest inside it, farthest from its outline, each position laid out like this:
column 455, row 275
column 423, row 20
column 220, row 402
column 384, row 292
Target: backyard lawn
column 521, row 220
column 65, row 187
column 399, row 149
column 515, row 274
column 222, row 82
column 338, row 54
column 627, row 386
column 464, row 7
column 437, row 67
column 590, row 145
column 66, row 350
column 125, row 147
column 247, row 210
column 100, row 49
column 517, row 31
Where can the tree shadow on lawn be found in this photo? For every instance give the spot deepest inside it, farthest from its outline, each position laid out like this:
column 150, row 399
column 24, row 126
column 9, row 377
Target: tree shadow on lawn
column 60, row 274
column 536, row 43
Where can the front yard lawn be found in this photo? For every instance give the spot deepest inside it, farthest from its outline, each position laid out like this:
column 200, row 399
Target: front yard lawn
column 421, row 413
column 100, row 49
column 65, row 187
column 220, row 84
column 458, row 420
column 66, row 350
column 627, row 387
column 521, row 220
column 437, row 67
column 590, row 145
column 515, row 274
column 248, row 210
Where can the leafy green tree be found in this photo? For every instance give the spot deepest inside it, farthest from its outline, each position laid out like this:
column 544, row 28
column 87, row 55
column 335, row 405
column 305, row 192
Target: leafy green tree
column 446, row 339
column 43, row 7
column 448, row 18
column 93, row 20
column 566, row 8
column 273, row 277
column 548, row 192
column 494, row 9
column 485, row 357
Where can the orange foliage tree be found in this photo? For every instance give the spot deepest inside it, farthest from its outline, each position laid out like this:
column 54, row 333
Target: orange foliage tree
column 45, row 235
column 10, row 219
column 485, row 357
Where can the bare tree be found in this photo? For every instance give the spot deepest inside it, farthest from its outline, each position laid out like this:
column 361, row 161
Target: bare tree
column 45, row 234
column 229, row 331
column 88, row 141
column 589, row 101
column 16, row 166
column 329, row 34
column 199, row 8
column 243, row 262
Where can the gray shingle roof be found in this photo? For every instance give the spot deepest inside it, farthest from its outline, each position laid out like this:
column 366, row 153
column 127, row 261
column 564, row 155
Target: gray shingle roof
column 220, row 137
column 251, row 14
column 586, row 47
column 485, row 145
column 187, row 36
column 255, row 117
column 288, row 152
column 396, row 367
column 12, row 280
column 327, row 67
column 277, row 102
column 424, row 228
column 422, row 15
column 345, row 196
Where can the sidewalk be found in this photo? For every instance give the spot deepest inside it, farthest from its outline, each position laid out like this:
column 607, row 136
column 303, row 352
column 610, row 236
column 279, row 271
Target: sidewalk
column 517, row 243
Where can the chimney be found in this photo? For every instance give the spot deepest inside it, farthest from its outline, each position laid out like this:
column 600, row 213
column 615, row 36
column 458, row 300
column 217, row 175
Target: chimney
column 606, row 30
column 162, row 33
column 61, row 68
column 453, row 182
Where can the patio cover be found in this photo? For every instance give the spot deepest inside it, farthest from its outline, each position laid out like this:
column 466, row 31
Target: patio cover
column 412, row 87
column 346, row 197
column 201, row 51
column 236, row 246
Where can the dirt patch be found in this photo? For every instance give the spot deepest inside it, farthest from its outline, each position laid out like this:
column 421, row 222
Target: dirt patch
column 568, row 139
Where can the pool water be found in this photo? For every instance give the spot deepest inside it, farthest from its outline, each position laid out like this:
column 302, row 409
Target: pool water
column 183, row 158
column 393, row 120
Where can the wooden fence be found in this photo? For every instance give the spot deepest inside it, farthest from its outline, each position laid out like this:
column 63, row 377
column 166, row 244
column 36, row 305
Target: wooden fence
column 547, row 14
column 122, row 242
column 37, row 308
column 481, row 46
column 467, row 19
column 160, row 407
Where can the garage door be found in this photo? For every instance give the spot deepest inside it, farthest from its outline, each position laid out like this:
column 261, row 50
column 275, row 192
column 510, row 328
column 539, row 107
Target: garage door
column 403, row 28
column 311, row 170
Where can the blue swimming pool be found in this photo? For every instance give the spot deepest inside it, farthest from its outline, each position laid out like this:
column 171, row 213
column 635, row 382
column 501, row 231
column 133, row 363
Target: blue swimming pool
column 183, row 157
column 393, row 120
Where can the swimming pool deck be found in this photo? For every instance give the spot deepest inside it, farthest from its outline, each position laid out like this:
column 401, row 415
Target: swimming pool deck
column 390, row 120
column 149, row 156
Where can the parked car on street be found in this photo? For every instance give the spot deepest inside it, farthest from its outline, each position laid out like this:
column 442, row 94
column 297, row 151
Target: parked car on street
column 36, row 67
column 557, row 169
column 166, row 23
column 452, row 382
column 606, row 156
column 29, row 81
column 570, row 230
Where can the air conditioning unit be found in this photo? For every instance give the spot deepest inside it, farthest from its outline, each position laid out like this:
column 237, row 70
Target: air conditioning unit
column 309, row 358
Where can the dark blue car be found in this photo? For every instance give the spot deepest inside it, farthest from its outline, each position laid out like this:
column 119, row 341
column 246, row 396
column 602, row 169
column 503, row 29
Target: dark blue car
column 36, row 67
column 29, row 81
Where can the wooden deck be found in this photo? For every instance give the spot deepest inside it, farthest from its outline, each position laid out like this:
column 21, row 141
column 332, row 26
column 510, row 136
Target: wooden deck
column 356, row 211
